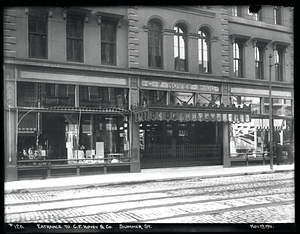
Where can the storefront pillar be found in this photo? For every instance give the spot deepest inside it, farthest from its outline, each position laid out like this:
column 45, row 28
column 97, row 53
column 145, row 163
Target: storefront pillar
column 10, row 151
column 135, row 148
column 226, row 148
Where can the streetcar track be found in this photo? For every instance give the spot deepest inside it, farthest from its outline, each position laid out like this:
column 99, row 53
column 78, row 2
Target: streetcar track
column 246, row 207
column 183, row 213
column 211, row 193
column 74, row 198
column 147, row 206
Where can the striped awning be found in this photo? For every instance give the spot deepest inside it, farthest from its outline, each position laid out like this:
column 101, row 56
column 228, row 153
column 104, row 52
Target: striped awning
column 188, row 112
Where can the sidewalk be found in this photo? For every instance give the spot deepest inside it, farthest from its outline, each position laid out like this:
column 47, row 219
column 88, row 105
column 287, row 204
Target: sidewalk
column 146, row 175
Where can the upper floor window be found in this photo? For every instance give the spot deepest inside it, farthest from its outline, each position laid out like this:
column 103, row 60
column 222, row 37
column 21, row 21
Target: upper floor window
column 37, row 28
column 277, row 15
column 155, row 44
column 180, row 49
column 258, row 54
column 236, row 11
column 204, row 52
column 278, row 54
column 74, row 38
column 256, row 16
column 238, row 59
column 108, row 42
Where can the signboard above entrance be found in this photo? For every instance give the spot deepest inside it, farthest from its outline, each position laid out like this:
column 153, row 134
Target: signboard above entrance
column 187, row 113
column 179, row 86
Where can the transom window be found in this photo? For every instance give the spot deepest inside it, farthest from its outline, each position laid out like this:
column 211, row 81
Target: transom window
column 74, row 38
column 155, row 44
column 37, row 28
column 108, row 42
column 204, row 52
column 180, row 48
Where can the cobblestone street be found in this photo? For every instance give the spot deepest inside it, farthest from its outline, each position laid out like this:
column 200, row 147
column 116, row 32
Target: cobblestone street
column 263, row 198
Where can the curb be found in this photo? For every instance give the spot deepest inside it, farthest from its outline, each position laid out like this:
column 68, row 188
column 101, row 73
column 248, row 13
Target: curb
column 104, row 184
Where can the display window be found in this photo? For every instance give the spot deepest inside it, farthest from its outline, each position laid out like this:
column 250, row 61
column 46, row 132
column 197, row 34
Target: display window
column 254, row 101
column 72, row 138
column 253, row 138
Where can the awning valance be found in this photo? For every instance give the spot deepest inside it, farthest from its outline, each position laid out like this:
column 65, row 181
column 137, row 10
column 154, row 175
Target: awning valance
column 189, row 112
column 82, row 109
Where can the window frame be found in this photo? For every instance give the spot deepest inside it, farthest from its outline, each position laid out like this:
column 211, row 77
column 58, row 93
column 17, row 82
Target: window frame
column 238, row 59
column 177, row 36
column 38, row 34
column 152, row 63
column 204, row 39
column 278, row 64
column 113, row 44
column 259, row 62
column 71, row 18
column 277, row 15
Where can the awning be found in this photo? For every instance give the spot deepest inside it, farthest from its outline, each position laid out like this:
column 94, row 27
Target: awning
column 80, row 109
column 189, row 112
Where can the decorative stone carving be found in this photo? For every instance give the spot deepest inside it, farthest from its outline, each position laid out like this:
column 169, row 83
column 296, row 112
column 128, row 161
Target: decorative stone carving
column 9, row 73
column 10, row 94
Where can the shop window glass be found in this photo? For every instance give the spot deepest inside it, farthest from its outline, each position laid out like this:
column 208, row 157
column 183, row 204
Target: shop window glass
column 27, row 95
column 57, row 94
column 254, row 101
column 182, row 97
column 280, row 107
column 103, row 97
column 148, row 97
column 90, row 138
column 205, row 98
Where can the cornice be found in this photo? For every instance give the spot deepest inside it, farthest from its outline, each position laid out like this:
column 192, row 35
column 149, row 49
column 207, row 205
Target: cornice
column 191, row 10
column 145, row 73
column 258, row 24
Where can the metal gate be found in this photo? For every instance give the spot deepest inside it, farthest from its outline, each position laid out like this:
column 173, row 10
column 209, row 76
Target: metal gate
column 182, row 155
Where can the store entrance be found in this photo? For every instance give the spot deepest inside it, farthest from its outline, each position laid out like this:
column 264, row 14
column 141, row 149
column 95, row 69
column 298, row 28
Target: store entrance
column 177, row 144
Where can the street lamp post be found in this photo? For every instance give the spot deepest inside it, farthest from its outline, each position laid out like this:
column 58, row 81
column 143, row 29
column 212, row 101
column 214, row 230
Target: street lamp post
column 270, row 115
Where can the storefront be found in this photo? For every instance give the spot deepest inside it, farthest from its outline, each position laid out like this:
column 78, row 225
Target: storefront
column 69, row 129
column 249, row 142
column 184, row 124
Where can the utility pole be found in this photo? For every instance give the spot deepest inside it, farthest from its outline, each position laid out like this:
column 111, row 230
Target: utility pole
column 270, row 115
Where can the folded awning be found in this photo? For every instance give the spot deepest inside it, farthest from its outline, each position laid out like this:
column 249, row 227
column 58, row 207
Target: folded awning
column 189, row 112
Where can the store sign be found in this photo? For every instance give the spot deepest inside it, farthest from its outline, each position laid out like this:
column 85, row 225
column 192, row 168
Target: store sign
column 179, row 86
column 182, row 116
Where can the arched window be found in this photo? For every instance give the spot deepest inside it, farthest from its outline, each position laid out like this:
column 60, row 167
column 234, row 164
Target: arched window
column 180, row 48
column 155, row 44
column 204, row 52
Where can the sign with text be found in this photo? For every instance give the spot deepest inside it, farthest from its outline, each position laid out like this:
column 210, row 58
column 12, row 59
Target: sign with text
column 179, row 86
